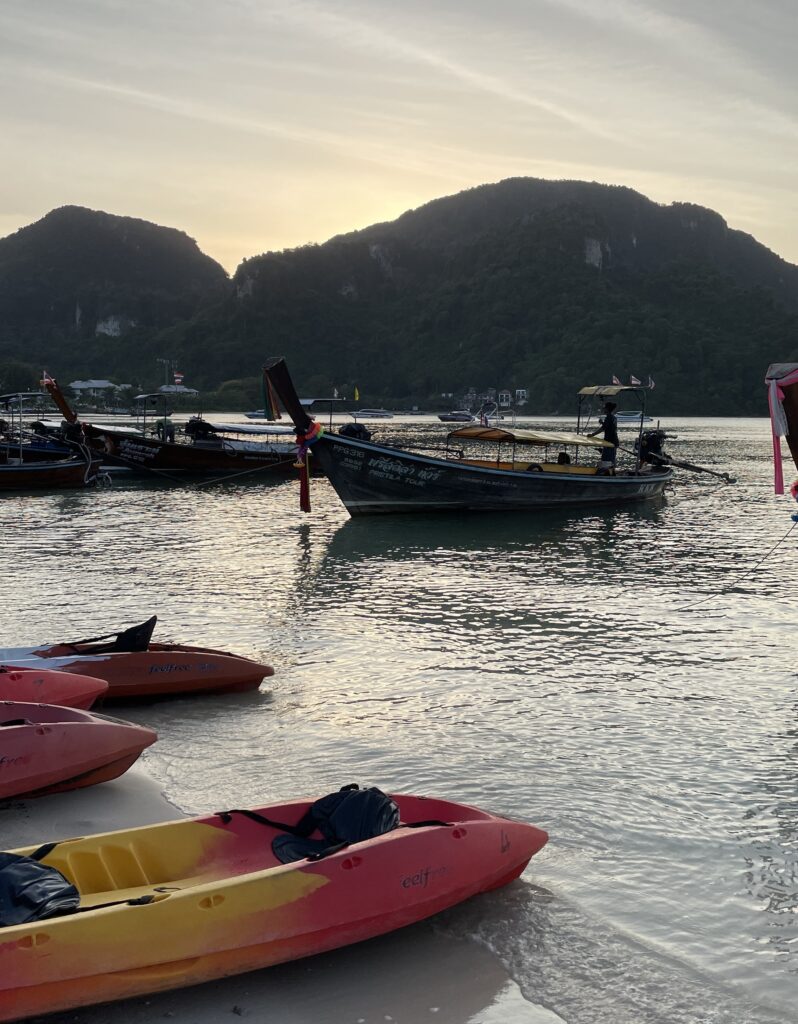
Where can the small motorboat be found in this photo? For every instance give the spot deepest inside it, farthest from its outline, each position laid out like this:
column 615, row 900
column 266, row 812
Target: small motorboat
column 174, row 904
column 457, row 416
column 633, row 417
column 134, row 666
column 371, row 414
column 48, row 749
column 48, row 686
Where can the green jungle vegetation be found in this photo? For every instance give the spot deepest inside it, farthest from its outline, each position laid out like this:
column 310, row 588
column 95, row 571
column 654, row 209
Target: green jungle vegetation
column 523, row 284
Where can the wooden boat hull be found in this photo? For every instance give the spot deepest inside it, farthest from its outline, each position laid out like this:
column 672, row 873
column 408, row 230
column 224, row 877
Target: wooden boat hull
column 135, row 451
column 373, row 479
column 53, row 749
column 162, row 670
column 222, row 905
column 48, row 686
column 43, row 475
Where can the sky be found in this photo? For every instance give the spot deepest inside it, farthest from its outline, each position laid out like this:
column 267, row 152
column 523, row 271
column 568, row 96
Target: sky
column 258, row 125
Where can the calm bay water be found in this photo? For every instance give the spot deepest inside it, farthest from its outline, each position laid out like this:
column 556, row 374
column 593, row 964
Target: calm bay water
column 625, row 679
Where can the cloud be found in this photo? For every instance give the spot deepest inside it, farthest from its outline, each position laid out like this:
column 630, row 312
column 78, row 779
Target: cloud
column 357, row 33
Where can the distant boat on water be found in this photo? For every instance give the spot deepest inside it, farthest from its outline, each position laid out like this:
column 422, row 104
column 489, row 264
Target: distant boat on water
column 632, row 417
column 457, row 416
column 372, row 414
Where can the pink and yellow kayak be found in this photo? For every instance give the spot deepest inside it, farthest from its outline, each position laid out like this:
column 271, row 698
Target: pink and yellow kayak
column 212, row 899
column 47, row 749
column 48, row 686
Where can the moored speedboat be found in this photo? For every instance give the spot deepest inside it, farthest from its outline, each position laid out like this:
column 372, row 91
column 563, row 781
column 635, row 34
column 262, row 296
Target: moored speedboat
column 47, row 686
column 371, row 414
column 134, row 666
column 457, row 416
column 49, row 749
column 632, row 417
column 219, row 895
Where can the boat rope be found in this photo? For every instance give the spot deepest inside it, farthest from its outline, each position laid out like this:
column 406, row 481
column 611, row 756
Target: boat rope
column 740, row 577
column 234, row 476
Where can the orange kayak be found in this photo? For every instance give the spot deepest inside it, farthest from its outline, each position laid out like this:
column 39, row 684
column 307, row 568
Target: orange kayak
column 175, row 904
column 134, row 666
column 48, row 686
column 48, row 749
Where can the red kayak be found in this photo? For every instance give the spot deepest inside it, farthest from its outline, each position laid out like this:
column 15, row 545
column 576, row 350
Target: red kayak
column 48, row 686
column 48, row 749
column 134, row 666
column 164, row 906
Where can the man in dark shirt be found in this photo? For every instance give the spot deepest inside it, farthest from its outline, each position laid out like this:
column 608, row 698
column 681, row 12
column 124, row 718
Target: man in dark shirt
column 610, row 427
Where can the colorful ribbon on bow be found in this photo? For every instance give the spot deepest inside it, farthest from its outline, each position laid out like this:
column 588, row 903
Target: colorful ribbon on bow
column 304, row 443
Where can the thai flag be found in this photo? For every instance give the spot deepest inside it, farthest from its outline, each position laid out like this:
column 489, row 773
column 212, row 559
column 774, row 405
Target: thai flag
column 178, row 377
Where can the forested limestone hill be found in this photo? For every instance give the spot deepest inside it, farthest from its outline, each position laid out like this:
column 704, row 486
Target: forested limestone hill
column 526, row 283
column 83, row 288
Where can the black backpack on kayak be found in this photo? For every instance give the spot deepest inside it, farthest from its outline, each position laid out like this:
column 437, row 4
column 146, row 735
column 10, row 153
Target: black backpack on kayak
column 348, row 816
column 32, row 891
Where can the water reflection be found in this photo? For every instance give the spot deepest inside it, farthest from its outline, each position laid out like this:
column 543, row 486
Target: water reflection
column 588, row 671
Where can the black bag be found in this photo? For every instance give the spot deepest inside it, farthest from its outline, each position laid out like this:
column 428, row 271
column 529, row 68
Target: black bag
column 32, row 891
column 348, row 816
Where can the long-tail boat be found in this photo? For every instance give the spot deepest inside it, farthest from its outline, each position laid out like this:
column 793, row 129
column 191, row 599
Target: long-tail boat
column 519, row 474
column 27, row 463
column 201, row 449
column 77, row 471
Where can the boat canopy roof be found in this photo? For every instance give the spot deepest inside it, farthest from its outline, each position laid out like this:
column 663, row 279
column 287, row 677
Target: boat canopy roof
column 500, row 434
column 20, row 396
column 611, row 390
column 778, row 371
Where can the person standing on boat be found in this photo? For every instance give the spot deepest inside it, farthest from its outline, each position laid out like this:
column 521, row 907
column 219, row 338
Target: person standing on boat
column 610, row 427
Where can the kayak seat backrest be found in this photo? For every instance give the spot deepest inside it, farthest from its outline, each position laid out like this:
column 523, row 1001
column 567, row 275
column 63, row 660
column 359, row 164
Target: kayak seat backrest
column 137, row 638
column 349, row 816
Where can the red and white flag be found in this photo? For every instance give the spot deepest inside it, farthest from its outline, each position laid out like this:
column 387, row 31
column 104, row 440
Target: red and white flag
column 634, row 380
column 615, row 380
column 178, row 377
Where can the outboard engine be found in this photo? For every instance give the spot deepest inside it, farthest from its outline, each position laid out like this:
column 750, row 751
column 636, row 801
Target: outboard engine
column 650, row 448
column 199, row 429
column 358, row 431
